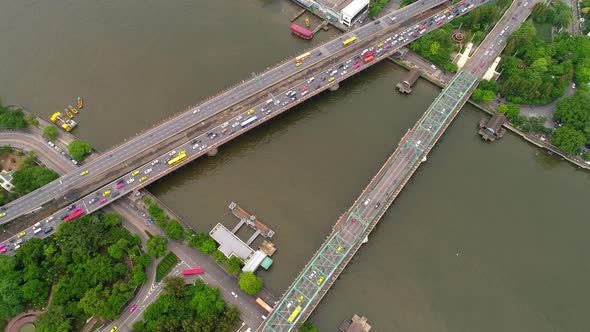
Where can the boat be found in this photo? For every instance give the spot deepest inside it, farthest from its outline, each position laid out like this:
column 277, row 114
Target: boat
column 68, row 113
column 75, row 111
column 80, row 102
column 300, row 31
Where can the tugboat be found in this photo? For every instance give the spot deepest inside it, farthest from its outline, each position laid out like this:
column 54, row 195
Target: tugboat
column 80, row 102
column 75, row 111
column 68, row 113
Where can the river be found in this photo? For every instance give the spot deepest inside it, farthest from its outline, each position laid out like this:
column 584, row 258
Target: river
column 485, row 237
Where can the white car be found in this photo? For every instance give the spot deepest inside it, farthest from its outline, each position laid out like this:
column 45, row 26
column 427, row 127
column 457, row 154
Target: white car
column 196, row 111
column 235, row 124
column 155, row 162
column 239, row 118
column 172, row 153
column 130, row 180
column 147, row 171
column 195, row 146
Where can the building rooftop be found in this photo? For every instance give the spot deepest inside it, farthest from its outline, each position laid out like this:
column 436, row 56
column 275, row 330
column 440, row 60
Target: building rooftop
column 229, row 243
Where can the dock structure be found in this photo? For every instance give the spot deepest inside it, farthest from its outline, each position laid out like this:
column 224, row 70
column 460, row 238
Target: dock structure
column 491, row 130
column 323, row 25
column 405, row 86
column 251, row 220
column 296, row 16
column 355, row 324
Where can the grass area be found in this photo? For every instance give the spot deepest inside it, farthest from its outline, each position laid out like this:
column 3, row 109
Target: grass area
column 544, row 31
column 166, row 265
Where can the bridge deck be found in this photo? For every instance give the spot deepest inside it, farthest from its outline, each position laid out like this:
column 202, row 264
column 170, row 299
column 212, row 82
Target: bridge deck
column 350, row 230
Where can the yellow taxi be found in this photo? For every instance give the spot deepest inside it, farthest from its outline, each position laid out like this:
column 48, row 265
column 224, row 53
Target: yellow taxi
column 380, row 45
column 134, row 173
column 143, row 178
column 84, row 173
column 300, row 299
column 331, row 79
column 2, row 214
column 106, row 193
column 251, row 111
column 339, row 248
column 446, row 11
column 320, row 280
column 298, row 64
column 114, row 329
column 21, row 234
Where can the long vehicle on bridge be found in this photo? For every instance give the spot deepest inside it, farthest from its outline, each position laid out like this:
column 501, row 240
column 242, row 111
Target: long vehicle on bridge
column 303, row 57
column 263, row 304
column 294, row 314
column 248, row 122
column 77, row 212
column 181, row 157
column 349, row 41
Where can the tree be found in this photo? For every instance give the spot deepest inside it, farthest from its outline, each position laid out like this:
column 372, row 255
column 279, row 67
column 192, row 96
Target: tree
column 574, row 111
column 10, row 291
column 157, row 246
column 234, row 264
column 308, row 327
column 483, row 95
column 116, row 251
column 139, row 277
column 79, row 149
column 54, row 320
column 12, row 118
column 50, row 132
column 29, row 178
column 219, row 257
column 203, row 242
column 31, row 120
column 568, row 139
column 250, row 283
column 174, row 230
column 174, row 286
column 512, row 111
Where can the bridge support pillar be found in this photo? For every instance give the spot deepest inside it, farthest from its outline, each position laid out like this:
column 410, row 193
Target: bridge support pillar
column 334, row 87
column 212, row 152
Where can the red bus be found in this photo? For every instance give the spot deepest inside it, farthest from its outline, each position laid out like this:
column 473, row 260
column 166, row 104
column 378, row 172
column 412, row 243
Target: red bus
column 77, row 212
column 192, row 271
column 263, row 304
column 368, row 54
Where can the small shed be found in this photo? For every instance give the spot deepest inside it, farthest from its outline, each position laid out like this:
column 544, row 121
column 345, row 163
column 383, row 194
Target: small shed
column 491, row 130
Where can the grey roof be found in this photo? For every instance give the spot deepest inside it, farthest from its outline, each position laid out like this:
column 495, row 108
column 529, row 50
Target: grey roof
column 230, row 244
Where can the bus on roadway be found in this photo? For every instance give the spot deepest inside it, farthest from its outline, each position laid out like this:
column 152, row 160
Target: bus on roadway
column 77, row 212
column 263, row 304
column 249, row 121
column 189, row 272
column 294, row 314
column 181, row 157
column 302, row 57
column 349, row 41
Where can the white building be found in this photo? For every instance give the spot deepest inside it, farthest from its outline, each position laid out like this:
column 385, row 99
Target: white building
column 353, row 11
column 5, row 180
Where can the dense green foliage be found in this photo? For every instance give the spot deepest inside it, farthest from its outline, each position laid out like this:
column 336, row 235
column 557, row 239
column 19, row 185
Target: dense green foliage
column 156, row 213
column 486, row 91
column 512, row 112
column 203, row 242
column 88, row 281
column 308, row 327
column 32, row 120
column 166, row 265
column 250, row 283
column 219, row 257
column 234, row 264
column 31, row 176
column 157, row 246
column 174, row 230
column 12, row 118
column 376, row 6
column 540, row 71
column 574, row 114
column 197, row 308
column 557, row 14
column 79, row 149
column 50, row 132
column 437, row 47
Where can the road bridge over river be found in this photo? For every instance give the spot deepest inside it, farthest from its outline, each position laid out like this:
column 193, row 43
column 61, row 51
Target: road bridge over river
column 353, row 228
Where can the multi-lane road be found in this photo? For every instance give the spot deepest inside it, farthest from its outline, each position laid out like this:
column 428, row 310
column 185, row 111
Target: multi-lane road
column 58, row 190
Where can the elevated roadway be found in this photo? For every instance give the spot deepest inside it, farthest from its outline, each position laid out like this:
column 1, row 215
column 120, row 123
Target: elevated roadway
column 173, row 133
column 353, row 228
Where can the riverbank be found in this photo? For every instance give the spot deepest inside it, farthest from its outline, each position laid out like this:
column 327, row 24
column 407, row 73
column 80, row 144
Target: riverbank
column 441, row 78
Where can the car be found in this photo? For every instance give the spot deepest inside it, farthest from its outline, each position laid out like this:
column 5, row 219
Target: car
column 73, row 206
column 2, row 245
column 21, row 234
column 239, row 118
column 300, row 299
column 51, row 143
column 106, row 193
column 155, row 162
column 102, row 201
column 573, row 85
column 251, row 111
column 2, row 214
column 310, row 80
column 92, row 200
column 433, row 67
column 130, row 180
column 514, row 17
column 320, row 280
column 195, row 146
column 235, row 124
column 439, row 23
column 303, row 89
column 196, row 111
column 367, row 201
column 147, row 171
column 143, row 178
column 473, row 70
column 114, row 328
column 481, row 64
column 133, row 307
column 134, row 173
column 84, row 173
column 343, row 73
column 121, row 184
column 331, row 79
column 297, row 64
column 380, row 45
column 339, row 249
column 304, row 93
column 171, row 153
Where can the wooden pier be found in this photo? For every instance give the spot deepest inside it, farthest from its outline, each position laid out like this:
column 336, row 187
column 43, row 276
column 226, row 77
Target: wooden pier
column 323, row 25
column 297, row 15
column 249, row 219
